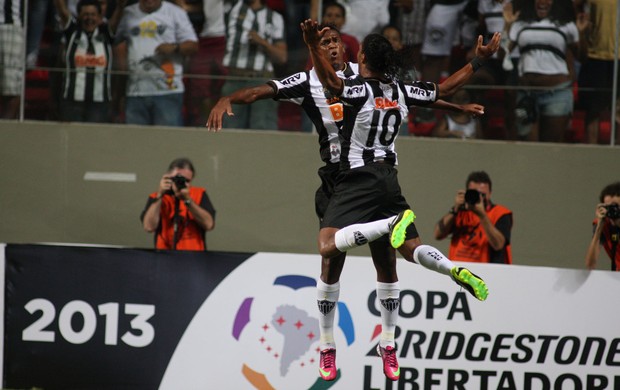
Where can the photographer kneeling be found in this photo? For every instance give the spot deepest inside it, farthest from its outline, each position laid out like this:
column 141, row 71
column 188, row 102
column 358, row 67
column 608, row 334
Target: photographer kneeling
column 480, row 229
column 178, row 213
column 606, row 227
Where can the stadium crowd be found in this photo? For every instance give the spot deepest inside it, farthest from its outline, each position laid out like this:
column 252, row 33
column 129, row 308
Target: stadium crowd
column 551, row 81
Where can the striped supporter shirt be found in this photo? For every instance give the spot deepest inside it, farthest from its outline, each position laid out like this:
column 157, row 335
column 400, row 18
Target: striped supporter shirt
column 88, row 62
column 242, row 54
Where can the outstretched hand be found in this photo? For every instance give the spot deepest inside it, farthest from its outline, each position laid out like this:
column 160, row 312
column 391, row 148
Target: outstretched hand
column 214, row 123
column 486, row 51
column 473, row 109
column 312, row 34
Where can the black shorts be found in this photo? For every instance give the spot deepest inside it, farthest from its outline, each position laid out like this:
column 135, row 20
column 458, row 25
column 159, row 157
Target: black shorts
column 328, row 174
column 366, row 194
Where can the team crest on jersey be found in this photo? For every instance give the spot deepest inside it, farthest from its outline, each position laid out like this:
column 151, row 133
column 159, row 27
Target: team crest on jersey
column 330, row 98
column 334, row 150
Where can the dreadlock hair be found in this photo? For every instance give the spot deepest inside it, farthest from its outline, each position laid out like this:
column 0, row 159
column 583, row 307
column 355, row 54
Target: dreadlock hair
column 382, row 58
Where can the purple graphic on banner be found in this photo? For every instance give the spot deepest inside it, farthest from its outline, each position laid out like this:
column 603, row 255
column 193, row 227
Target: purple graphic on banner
column 242, row 318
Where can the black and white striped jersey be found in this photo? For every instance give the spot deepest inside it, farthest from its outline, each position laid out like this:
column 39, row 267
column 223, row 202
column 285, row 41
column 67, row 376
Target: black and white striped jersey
column 88, row 62
column 373, row 112
column 324, row 110
column 241, row 53
column 11, row 12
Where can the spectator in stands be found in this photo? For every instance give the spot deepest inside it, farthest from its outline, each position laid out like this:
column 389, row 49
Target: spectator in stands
column 87, row 90
column 597, row 70
column 365, row 17
column 480, row 229
column 155, row 36
column 409, row 17
column 206, row 67
column 490, row 20
column 178, row 213
column 442, row 28
column 294, row 12
column 458, row 124
column 37, row 20
column 548, row 40
column 11, row 57
column 447, row 25
column 606, row 228
column 334, row 13
column 255, row 42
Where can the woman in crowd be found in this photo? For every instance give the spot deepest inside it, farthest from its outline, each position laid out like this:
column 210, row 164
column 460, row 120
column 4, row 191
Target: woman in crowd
column 549, row 38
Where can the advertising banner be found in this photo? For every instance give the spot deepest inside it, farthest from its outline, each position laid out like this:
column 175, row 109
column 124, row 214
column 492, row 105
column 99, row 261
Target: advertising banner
column 101, row 318
column 80, row 317
column 540, row 328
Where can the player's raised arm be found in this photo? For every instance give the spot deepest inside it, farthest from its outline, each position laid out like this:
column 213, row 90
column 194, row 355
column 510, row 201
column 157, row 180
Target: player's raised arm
column 241, row 96
column 323, row 68
column 460, row 77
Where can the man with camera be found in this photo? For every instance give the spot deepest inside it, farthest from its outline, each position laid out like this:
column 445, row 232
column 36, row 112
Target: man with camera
column 178, row 213
column 606, row 228
column 480, row 229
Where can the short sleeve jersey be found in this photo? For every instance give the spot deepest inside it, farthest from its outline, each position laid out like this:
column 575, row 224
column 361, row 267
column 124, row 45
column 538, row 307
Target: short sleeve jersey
column 324, row 110
column 373, row 112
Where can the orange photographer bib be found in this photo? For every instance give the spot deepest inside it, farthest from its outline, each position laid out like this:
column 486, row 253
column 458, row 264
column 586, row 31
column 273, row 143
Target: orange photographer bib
column 469, row 241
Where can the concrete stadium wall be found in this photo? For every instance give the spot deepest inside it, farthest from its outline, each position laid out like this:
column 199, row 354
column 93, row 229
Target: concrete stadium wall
column 262, row 185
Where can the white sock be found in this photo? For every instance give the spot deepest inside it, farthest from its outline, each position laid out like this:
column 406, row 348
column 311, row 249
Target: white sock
column 431, row 258
column 327, row 299
column 352, row 236
column 388, row 295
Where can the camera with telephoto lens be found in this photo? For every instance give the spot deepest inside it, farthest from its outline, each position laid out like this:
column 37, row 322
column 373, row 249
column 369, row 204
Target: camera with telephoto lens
column 613, row 211
column 472, row 197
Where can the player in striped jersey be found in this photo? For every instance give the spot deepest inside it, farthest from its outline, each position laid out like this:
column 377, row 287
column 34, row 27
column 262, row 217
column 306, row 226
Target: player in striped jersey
column 326, row 112
column 367, row 194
